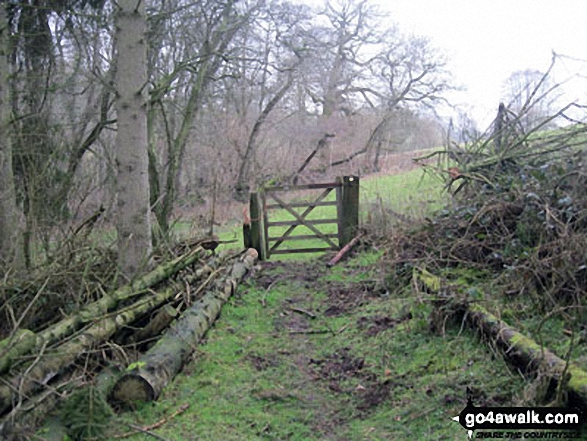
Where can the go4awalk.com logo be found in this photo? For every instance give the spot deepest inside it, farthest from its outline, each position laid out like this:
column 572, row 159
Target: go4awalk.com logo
column 521, row 422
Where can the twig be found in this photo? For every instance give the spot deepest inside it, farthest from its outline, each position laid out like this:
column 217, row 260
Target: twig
column 206, row 282
column 27, row 309
column 311, row 331
column 139, row 429
column 303, row 311
column 147, row 429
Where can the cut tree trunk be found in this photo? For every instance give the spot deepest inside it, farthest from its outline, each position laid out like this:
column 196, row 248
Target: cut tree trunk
column 23, row 418
column 148, row 377
column 23, row 341
column 110, row 301
column 50, row 363
column 164, row 316
column 92, row 311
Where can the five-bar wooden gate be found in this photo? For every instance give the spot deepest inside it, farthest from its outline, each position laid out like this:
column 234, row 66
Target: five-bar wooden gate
column 267, row 199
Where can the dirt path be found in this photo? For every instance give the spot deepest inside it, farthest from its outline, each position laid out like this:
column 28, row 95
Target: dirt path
column 309, row 353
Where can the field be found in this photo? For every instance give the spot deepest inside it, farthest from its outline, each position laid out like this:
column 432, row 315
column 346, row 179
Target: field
column 309, row 353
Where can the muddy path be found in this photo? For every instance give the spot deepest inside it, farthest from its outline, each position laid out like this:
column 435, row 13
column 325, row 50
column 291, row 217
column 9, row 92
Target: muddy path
column 304, row 352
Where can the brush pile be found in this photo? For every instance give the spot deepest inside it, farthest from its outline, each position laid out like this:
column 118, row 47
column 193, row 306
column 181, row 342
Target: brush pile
column 55, row 341
column 510, row 246
column 518, row 213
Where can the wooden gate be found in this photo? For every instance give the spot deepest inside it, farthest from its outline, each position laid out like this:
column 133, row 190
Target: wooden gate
column 346, row 217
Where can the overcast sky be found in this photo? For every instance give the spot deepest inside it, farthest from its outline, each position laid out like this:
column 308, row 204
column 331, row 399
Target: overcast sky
column 487, row 40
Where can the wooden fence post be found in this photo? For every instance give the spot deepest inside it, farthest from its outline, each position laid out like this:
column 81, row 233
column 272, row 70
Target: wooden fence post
column 257, row 226
column 348, row 209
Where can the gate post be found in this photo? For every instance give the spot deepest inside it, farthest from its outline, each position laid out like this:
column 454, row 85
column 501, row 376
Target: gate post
column 258, row 239
column 348, row 209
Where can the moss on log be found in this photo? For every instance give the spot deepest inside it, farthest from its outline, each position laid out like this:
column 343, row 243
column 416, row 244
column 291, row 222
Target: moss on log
column 163, row 317
column 91, row 312
column 50, row 363
column 527, row 354
column 145, row 379
column 520, row 350
column 22, row 342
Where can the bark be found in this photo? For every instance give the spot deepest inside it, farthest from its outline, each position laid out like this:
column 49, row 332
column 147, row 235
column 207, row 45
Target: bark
column 528, row 355
column 344, row 251
column 92, row 311
column 22, row 342
column 58, row 359
column 519, row 350
column 148, row 377
column 164, row 316
column 133, row 223
column 22, row 419
column 252, row 143
column 10, row 233
column 211, row 53
column 320, row 146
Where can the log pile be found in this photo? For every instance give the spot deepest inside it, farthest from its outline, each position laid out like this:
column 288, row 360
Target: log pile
column 180, row 299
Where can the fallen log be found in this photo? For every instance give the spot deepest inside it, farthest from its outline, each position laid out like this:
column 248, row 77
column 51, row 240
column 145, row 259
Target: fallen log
column 22, row 342
column 527, row 354
column 163, row 317
column 146, row 378
column 519, row 350
column 48, row 364
column 27, row 415
column 107, row 303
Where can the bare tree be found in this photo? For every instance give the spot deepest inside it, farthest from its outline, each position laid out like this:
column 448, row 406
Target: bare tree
column 532, row 96
column 185, row 61
column 269, row 72
column 133, row 213
column 365, row 65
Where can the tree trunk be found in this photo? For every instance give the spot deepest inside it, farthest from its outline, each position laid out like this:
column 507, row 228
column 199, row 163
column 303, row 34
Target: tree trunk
column 243, row 173
column 164, row 316
column 22, row 342
column 164, row 360
column 133, row 222
column 51, row 363
column 211, row 55
column 528, row 355
column 10, row 233
column 25, row 342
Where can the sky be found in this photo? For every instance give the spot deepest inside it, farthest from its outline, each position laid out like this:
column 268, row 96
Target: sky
column 485, row 41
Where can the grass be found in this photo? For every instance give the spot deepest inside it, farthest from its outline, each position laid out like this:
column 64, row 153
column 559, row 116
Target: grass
column 366, row 367
column 414, row 194
column 263, row 375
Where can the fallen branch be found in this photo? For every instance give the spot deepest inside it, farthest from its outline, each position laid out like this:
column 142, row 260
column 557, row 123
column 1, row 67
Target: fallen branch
column 68, row 326
column 527, row 354
column 303, row 311
column 146, row 378
column 519, row 350
column 344, row 251
column 156, row 425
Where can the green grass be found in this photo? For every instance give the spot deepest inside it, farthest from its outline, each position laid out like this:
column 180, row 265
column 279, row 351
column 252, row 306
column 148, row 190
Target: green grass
column 415, row 194
column 255, row 380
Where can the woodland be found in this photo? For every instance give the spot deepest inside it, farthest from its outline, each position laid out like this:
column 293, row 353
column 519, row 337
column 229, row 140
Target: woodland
column 132, row 131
